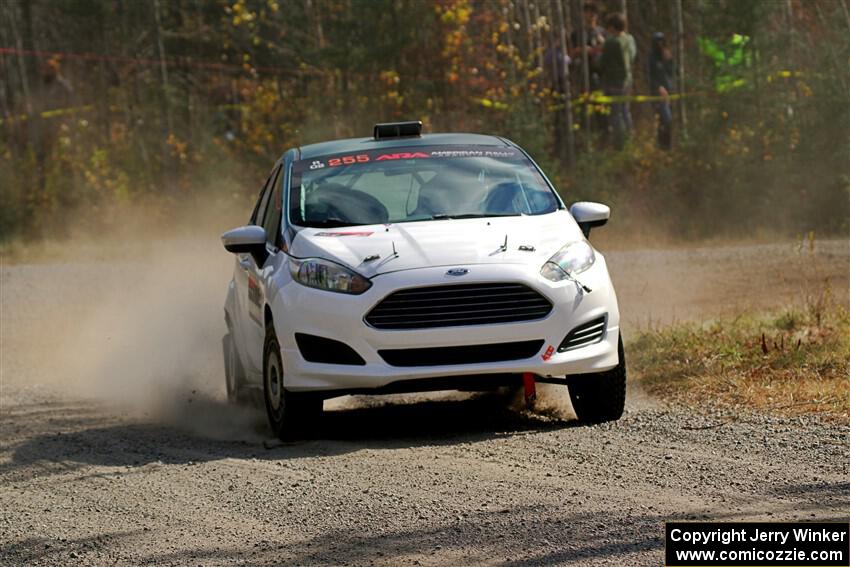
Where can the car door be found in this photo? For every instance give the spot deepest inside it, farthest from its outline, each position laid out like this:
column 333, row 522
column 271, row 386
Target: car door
column 246, row 283
column 259, row 274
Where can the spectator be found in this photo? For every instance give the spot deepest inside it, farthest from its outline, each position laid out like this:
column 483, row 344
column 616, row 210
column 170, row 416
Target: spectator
column 630, row 53
column 594, row 38
column 660, row 69
column 57, row 91
column 556, row 65
column 614, row 75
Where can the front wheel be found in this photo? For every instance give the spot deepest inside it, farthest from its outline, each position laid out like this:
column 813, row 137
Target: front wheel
column 290, row 414
column 600, row 397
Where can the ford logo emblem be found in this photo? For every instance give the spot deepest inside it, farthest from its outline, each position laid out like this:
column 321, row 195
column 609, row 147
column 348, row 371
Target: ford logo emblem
column 457, row 272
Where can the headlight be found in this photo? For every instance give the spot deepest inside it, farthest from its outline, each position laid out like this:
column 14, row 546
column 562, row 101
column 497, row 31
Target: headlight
column 572, row 259
column 324, row 274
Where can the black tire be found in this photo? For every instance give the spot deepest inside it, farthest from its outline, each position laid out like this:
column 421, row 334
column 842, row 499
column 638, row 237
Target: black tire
column 234, row 375
column 290, row 414
column 600, row 397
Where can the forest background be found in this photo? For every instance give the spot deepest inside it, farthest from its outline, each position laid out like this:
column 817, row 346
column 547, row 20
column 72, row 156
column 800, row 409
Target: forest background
column 114, row 106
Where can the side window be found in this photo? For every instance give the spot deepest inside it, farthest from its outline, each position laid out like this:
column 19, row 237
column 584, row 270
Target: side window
column 253, row 219
column 274, row 209
column 262, row 201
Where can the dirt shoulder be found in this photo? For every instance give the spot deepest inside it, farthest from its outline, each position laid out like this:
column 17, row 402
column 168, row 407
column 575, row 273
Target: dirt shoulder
column 792, row 362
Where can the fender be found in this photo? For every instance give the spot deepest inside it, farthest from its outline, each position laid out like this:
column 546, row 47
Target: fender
column 230, row 306
column 234, row 315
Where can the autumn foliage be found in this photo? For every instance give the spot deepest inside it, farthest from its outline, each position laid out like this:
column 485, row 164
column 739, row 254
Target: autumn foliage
column 108, row 103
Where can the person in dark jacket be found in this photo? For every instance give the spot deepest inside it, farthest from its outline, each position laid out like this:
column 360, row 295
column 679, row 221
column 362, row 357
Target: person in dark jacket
column 614, row 75
column 660, row 69
column 594, row 37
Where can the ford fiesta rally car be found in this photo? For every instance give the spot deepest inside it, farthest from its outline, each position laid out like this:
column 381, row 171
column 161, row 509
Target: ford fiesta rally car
column 408, row 262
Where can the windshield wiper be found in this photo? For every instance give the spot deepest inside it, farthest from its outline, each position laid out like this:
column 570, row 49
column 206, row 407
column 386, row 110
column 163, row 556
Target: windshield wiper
column 440, row 216
column 333, row 222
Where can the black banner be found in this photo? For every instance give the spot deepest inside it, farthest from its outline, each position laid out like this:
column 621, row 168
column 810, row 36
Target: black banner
column 757, row 544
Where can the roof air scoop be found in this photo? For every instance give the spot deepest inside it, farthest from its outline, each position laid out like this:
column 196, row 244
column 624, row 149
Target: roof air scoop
column 389, row 130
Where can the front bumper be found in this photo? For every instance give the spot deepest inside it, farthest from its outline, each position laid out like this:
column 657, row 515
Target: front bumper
column 299, row 309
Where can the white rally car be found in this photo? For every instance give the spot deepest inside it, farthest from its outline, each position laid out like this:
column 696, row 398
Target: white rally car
column 408, row 262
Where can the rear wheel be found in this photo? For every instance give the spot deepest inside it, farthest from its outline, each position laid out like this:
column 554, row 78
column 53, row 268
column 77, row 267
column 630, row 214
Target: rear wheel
column 234, row 375
column 600, row 397
column 290, row 414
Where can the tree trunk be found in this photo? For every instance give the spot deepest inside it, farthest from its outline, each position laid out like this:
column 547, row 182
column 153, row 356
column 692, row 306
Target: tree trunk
column 525, row 13
column 846, row 13
column 570, row 153
column 538, row 37
column 585, row 75
column 22, row 64
column 165, row 161
column 680, row 54
column 103, row 85
column 163, row 67
column 756, row 68
column 839, row 69
column 6, row 89
column 10, row 81
column 23, row 75
column 558, row 127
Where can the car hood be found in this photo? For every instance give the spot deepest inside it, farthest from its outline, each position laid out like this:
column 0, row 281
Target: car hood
column 452, row 242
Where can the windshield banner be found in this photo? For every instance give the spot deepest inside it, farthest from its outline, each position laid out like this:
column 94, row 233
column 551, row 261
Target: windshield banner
column 415, row 153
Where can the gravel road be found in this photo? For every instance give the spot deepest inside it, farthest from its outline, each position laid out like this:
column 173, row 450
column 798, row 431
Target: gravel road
column 115, row 446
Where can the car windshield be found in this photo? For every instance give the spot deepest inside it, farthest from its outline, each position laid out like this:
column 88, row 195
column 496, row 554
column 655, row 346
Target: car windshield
column 396, row 185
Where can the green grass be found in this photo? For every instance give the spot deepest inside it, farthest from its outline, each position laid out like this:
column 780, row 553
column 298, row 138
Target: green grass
column 793, row 362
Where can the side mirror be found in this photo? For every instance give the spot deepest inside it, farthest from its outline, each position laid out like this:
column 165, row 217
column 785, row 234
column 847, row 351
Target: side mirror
column 589, row 215
column 246, row 240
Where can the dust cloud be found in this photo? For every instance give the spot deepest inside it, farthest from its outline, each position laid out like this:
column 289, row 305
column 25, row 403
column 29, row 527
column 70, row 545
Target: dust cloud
column 133, row 320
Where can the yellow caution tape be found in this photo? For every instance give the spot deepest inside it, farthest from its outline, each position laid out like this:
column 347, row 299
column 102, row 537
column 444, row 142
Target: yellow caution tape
column 590, row 98
column 597, row 97
column 51, row 113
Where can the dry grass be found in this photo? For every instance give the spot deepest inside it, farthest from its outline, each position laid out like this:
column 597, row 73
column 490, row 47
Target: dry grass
column 791, row 363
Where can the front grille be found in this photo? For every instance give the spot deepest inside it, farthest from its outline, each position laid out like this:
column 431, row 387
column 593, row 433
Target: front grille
column 328, row 351
column 455, row 305
column 584, row 335
column 471, row 354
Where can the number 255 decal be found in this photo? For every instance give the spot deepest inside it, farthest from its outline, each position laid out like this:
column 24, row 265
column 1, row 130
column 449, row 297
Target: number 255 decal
column 348, row 160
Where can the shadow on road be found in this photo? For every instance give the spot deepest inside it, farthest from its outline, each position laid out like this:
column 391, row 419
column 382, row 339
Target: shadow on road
column 70, row 436
column 516, row 536
column 468, row 540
